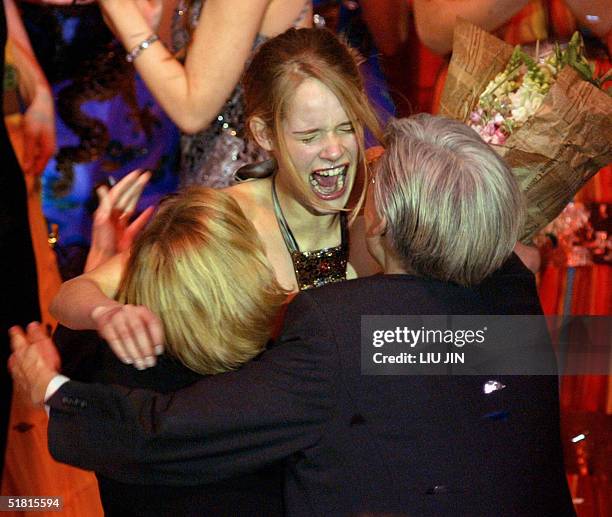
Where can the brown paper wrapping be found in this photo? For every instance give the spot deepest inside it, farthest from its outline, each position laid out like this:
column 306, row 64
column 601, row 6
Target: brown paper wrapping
column 558, row 149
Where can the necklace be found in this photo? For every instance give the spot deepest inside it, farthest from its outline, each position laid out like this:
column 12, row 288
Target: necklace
column 317, row 267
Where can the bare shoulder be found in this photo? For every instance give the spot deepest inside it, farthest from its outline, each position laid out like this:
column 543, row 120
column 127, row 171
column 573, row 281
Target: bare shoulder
column 252, row 196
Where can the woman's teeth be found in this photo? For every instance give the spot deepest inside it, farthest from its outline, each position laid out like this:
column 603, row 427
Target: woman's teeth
column 328, row 181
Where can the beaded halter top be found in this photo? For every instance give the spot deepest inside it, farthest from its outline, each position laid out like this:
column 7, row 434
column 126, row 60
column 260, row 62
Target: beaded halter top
column 317, row 267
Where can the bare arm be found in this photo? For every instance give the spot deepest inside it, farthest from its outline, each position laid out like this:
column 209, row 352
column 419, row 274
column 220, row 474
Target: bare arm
column 133, row 332
column 435, row 19
column 38, row 121
column 193, row 94
column 74, row 303
column 594, row 14
column 15, row 28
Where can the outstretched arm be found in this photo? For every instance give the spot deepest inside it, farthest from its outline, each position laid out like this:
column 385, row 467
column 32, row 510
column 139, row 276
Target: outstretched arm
column 134, row 333
column 77, row 298
column 112, row 238
column 435, row 19
column 38, row 121
column 192, row 94
column 596, row 15
column 220, row 426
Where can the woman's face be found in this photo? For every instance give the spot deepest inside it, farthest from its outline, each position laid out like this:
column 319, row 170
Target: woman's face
column 321, row 143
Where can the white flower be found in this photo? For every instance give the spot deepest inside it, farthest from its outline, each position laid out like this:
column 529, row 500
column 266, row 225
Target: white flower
column 519, row 115
column 498, row 119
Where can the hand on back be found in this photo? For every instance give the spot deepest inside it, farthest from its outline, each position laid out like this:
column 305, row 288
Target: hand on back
column 133, row 332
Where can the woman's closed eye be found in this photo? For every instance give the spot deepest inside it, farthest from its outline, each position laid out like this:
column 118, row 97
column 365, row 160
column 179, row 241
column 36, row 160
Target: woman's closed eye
column 306, row 139
column 346, row 128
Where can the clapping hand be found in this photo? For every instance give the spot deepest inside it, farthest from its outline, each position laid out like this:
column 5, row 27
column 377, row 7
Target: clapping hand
column 34, row 361
column 112, row 231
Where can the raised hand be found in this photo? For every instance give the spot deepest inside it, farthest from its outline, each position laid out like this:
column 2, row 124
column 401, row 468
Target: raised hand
column 34, row 361
column 112, row 231
column 133, row 332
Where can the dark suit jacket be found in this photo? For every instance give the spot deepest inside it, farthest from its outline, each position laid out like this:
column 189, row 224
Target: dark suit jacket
column 353, row 444
column 88, row 358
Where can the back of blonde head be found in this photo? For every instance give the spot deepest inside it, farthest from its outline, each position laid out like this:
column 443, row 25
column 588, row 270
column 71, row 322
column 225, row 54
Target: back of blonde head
column 201, row 267
column 453, row 207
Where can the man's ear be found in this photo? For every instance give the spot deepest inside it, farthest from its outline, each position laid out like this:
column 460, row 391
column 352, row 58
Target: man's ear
column 261, row 133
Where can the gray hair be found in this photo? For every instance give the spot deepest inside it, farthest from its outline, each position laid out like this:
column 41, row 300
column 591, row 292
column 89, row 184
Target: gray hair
column 453, row 207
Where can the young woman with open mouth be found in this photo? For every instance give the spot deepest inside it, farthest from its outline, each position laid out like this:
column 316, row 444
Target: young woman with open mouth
column 306, row 105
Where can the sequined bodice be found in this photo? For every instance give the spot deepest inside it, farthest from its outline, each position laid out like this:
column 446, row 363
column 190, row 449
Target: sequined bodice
column 317, row 267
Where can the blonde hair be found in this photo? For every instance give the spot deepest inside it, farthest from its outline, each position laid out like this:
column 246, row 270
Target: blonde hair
column 201, row 267
column 281, row 65
column 453, row 207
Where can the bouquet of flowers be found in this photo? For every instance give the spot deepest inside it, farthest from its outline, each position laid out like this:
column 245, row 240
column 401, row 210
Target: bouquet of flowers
column 548, row 118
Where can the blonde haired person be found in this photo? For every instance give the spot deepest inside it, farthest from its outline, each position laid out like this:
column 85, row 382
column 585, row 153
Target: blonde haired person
column 201, row 268
column 305, row 105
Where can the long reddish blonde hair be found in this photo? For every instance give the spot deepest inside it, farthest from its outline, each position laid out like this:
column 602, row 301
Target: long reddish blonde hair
column 280, row 66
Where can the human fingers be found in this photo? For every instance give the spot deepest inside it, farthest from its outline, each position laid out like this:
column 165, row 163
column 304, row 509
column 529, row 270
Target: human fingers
column 18, row 338
column 116, row 328
column 28, row 366
column 35, row 333
column 132, row 195
column 19, row 344
column 121, row 194
column 38, row 337
column 123, row 185
column 145, row 329
column 106, row 326
column 133, row 229
column 105, row 205
column 155, row 330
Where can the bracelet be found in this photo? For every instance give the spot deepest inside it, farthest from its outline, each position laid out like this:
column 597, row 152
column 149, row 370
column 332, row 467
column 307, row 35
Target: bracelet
column 143, row 45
